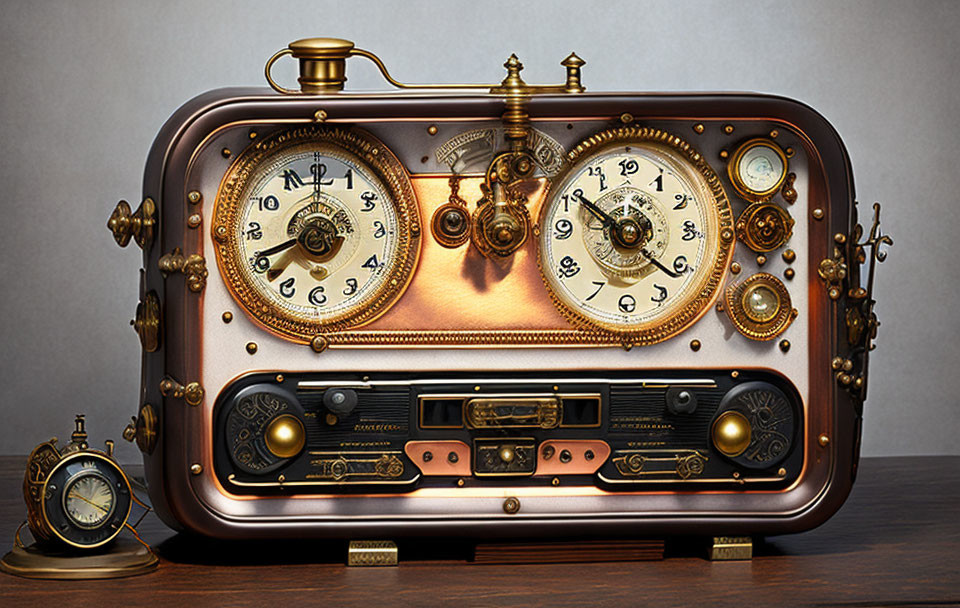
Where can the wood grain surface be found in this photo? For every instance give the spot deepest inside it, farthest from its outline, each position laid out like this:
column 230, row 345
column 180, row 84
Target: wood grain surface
column 896, row 542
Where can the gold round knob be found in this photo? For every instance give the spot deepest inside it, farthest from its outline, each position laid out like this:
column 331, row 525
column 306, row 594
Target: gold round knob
column 285, row 436
column 731, row 433
column 506, row 454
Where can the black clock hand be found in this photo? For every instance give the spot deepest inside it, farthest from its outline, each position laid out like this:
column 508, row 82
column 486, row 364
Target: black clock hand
column 656, row 263
column 277, row 248
column 597, row 211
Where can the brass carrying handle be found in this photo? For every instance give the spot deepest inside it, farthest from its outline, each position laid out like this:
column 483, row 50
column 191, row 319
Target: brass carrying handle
column 323, row 70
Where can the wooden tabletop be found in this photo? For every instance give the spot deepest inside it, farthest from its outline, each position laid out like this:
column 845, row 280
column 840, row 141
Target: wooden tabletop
column 896, row 542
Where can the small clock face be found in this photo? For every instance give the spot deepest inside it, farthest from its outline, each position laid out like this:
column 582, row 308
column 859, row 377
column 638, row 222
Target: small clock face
column 315, row 231
column 630, row 237
column 86, row 500
column 757, row 169
column 89, row 499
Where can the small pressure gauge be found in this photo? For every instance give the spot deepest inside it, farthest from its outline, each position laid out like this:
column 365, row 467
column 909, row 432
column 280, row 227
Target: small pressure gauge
column 757, row 169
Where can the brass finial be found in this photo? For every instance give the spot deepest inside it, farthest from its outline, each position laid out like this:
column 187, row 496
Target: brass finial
column 79, row 435
column 573, row 63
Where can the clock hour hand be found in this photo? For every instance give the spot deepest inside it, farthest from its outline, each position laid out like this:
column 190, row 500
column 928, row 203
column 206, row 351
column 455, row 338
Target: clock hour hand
column 86, row 500
column 277, row 248
column 657, row 263
column 601, row 215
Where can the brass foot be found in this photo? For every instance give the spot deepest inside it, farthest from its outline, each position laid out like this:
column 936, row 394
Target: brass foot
column 728, row 548
column 372, row 553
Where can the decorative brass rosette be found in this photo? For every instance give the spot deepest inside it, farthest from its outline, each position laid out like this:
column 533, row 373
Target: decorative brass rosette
column 764, row 227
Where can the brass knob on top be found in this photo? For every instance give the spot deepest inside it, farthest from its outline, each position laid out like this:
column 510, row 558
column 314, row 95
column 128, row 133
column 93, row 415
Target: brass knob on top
column 323, row 65
column 285, row 436
column 137, row 225
column 731, row 434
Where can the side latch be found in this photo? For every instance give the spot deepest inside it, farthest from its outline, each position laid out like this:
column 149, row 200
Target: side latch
column 193, row 267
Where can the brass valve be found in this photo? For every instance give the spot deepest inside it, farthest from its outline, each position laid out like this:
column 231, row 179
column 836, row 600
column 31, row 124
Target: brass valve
column 138, row 225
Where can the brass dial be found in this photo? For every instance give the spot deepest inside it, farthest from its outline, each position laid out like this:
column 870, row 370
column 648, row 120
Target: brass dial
column 635, row 235
column 317, row 230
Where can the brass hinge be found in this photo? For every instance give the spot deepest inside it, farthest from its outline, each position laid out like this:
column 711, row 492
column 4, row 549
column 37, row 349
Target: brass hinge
column 192, row 393
column 193, row 267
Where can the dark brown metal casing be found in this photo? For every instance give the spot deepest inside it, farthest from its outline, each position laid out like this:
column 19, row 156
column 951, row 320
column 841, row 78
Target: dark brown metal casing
column 187, row 493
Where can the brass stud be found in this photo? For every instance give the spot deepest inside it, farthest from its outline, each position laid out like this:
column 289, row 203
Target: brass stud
column 734, row 374
column 427, row 456
column 789, row 256
column 728, row 129
column 556, row 388
column 196, row 469
column 736, row 474
column 432, row 129
column 320, row 115
column 761, row 260
column 252, row 348
column 555, row 481
column 252, row 134
column 818, row 214
column 719, row 306
column 331, row 419
column 823, row 440
column 735, row 268
column 319, row 344
column 285, row 436
column 782, row 472
column 698, row 128
column 731, row 433
column 784, row 345
column 424, row 159
column 626, row 118
column 548, row 452
column 226, row 152
column 476, row 388
column 789, row 152
column 726, row 234
column 460, row 482
column 847, row 365
column 279, row 378
column 220, row 233
column 774, row 134
column 858, row 383
column 227, row 316
column 724, row 154
column 194, row 196
column 511, row 505
column 194, row 220
column 789, row 273
column 695, row 345
column 840, row 238
column 836, row 363
column 452, row 457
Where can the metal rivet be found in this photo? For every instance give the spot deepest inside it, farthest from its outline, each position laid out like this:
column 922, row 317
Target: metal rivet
column 196, row 469
column 789, row 256
column 818, row 214
column 698, row 128
column 823, row 440
column 476, row 388
column 279, row 378
column 840, row 238
column 331, row 419
column 735, row 268
column 789, row 152
column 588, row 455
column 782, row 472
column 789, row 273
column 320, row 115
column 252, row 347
column 252, row 134
column 432, row 129
column 226, row 152
column 728, row 129
column 695, row 345
column 194, row 220
column 774, row 133
column 761, row 260
column 319, row 344
column 734, row 374
column 424, row 159
column 724, row 154
column 452, row 457
column 784, row 345
column 194, row 196
column 548, row 452
column 227, row 317
column 555, row 481
column 511, row 505
column 565, row 456
column 626, row 118
column 427, row 456
column 460, row 482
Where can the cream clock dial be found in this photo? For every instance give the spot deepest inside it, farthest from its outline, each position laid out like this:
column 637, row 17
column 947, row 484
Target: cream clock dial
column 635, row 235
column 89, row 500
column 317, row 230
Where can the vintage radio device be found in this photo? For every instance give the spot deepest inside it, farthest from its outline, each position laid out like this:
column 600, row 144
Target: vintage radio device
column 503, row 309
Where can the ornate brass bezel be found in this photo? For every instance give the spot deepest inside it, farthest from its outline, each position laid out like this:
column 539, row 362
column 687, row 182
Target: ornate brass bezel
column 754, row 227
column 701, row 295
column 359, row 147
column 739, row 186
column 757, row 330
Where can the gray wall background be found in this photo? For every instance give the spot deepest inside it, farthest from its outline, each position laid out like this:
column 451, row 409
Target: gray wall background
column 87, row 84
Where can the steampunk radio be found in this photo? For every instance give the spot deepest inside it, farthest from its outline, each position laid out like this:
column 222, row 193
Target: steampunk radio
column 504, row 309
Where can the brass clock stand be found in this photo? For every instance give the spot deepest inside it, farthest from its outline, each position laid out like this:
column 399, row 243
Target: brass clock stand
column 78, row 501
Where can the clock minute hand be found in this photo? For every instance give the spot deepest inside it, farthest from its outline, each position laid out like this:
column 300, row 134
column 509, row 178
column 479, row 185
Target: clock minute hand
column 86, row 500
column 597, row 211
column 277, row 248
column 657, row 263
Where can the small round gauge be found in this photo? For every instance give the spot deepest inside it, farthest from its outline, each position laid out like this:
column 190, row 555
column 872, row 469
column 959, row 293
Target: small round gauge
column 86, row 500
column 317, row 230
column 757, row 169
column 635, row 235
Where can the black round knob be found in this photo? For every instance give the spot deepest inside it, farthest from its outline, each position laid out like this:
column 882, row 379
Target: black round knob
column 681, row 401
column 340, row 401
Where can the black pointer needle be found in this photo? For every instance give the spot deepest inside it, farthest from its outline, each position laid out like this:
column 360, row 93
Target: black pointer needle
column 597, row 211
column 656, row 263
column 277, row 248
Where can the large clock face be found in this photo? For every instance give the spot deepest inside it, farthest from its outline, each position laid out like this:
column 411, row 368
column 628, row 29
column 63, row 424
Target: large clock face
column 635, row 236
column 315, row 231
